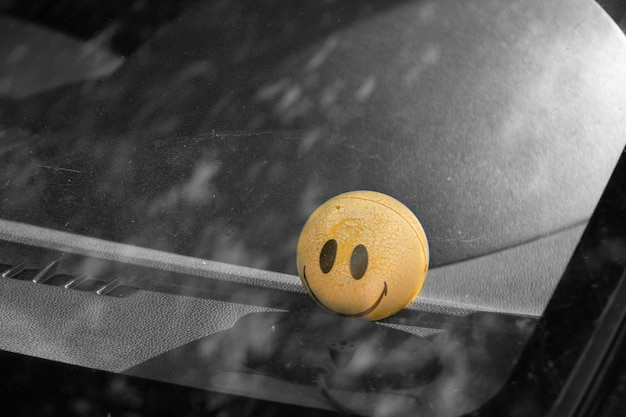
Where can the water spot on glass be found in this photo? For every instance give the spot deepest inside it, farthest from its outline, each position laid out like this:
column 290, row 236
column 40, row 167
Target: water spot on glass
column 427, row 12
column 309, row 139
column 322, row 54
column 272, row 90
column 289, row 98
column 366, row 89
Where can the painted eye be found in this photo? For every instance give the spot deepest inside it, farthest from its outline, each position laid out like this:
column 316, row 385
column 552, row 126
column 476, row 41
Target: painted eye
column 328, row 255
column 358, row 262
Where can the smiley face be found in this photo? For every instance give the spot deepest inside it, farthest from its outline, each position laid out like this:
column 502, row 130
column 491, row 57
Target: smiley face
column 362, row 254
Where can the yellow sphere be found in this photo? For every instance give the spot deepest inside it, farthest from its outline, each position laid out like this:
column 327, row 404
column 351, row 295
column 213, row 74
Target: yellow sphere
column 362, row 254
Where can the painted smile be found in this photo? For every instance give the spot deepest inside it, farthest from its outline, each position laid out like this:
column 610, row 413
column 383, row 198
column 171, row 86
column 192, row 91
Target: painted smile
column 354, row 315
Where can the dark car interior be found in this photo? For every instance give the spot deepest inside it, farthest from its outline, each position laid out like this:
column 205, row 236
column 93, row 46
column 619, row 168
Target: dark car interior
column 159, row 159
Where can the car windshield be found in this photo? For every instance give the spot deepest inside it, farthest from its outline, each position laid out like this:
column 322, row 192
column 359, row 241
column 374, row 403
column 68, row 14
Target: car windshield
column 170, row 158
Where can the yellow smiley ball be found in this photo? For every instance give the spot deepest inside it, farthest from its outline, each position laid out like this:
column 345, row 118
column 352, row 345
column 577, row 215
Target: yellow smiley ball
column 362, row 254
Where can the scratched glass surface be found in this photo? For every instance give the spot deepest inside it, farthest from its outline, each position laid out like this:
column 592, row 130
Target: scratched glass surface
column 213, row 129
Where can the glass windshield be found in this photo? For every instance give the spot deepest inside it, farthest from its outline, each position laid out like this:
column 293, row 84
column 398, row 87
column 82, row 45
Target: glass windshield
column 195, row 160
